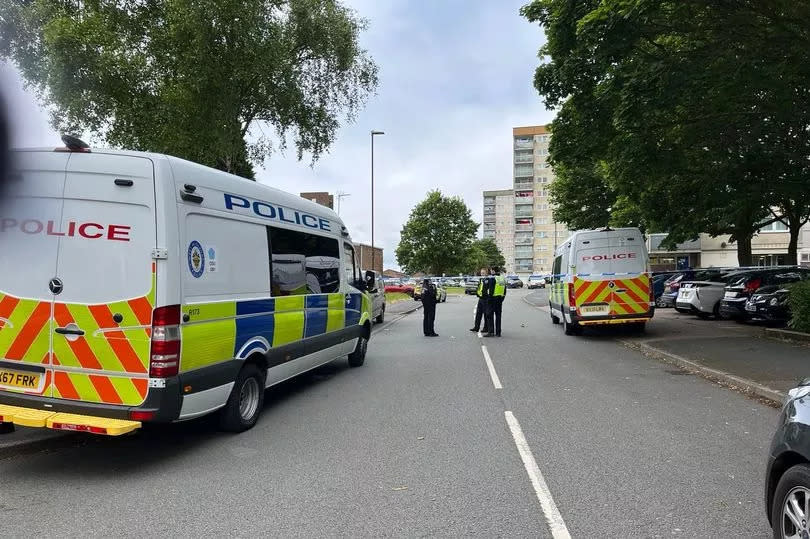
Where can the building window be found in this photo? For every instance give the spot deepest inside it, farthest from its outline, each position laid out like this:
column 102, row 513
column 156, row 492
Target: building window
column 777, row 226
column 542, row 207
column 543, row 248
column 541, row 234
column 805, row 257
column 542, row 180
column 304, row 263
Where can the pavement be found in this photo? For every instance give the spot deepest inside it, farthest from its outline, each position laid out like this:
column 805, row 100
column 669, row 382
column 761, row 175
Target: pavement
column 534, row 434
column 736, row 354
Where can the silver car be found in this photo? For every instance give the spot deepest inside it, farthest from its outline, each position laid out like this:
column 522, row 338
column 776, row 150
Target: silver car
column 702, row 296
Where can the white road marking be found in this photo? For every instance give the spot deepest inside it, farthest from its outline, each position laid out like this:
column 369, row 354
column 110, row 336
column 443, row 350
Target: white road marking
column 555, row 521
column 492, row 374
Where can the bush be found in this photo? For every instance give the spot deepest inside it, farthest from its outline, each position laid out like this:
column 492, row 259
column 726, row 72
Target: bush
column 799, row 302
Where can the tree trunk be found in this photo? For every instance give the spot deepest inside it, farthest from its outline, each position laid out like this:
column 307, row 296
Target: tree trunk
column 795, row 227
column 744, row 255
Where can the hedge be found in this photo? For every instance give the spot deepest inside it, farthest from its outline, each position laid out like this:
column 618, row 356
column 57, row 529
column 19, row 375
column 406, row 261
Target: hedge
column 799, row 302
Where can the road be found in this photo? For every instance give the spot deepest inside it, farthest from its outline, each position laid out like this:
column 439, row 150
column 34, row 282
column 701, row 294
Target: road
column 421, row 442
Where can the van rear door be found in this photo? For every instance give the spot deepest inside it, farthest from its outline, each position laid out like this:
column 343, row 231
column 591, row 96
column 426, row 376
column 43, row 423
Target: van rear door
column 102, row 316
column 631, row 285
column 592, row 293
column 30, row 216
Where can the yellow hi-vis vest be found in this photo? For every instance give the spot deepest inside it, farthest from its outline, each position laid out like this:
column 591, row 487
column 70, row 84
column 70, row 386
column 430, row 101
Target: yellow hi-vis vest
column 500, row 286
column 480, row 291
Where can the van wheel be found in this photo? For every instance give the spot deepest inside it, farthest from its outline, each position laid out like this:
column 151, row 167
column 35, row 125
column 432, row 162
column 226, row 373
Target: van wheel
column 380, row 319
column 570, row 328
column 245, row 403
column 358, row 357
column 554, row 319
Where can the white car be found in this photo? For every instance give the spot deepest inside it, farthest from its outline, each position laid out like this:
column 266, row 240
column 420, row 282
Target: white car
column 536, row 281
column 702, row 297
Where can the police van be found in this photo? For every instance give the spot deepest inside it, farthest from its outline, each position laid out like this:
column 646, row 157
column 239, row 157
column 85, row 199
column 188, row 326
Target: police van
column 601, row 277
column 138, row 287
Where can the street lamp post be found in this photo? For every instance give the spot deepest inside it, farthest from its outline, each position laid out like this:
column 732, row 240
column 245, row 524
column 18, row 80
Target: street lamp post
column 373, row 254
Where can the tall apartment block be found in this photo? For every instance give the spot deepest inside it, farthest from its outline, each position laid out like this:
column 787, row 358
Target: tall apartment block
column 499, row 223
column 536, row 235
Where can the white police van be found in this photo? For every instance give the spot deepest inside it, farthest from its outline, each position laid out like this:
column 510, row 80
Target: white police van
column 142, row 287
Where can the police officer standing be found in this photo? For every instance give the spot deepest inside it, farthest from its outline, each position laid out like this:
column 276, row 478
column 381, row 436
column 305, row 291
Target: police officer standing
column 497, row 285
column 429, row 299
column 483, row 301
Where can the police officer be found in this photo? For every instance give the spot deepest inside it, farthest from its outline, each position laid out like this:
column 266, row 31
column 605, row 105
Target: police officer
column 429, row 299
column 497, row 285
column 481, row 309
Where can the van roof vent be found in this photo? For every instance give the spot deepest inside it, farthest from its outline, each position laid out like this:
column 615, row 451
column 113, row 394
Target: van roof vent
column 74, row 144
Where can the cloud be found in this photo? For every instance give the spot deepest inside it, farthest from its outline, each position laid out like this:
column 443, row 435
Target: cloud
column 455, row 77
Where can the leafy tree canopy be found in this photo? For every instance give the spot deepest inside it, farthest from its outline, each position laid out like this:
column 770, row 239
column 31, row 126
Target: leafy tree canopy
column 193, row 78
column 483, row 253
column 436, row 238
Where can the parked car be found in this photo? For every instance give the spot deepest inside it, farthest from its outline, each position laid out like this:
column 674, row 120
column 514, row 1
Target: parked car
column 535, row 281
column 703, row 295
column 769, row 304
column 658, row 283
column 404, row 288
column 471, row 285
column 376, row 289
column 787, row 469
column 740, row 290
column 513, row 281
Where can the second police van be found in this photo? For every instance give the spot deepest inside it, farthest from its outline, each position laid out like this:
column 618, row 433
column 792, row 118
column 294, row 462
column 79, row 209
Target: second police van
column 142, row 287
column 601, row 277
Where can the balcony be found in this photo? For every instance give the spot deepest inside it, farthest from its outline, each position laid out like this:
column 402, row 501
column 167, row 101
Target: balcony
column 524, row 228
column 528, row 240
column 521, row 158
column 523, row 212
column 524, row 144
column 523, row 185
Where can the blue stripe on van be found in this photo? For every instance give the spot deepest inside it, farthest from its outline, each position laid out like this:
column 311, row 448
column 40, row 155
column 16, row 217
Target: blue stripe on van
column 255, row 306
column 315, row 323
column 251, row 328
column 320, row 301
column 353, row 306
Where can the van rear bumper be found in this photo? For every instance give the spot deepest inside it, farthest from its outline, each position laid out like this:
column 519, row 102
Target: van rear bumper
column 614, row 319
column 163, row 402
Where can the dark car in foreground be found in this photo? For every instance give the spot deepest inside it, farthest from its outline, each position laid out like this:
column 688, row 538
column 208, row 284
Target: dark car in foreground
column 787, row 471
column 739, row 290
column 513, row 281
column 768, row 304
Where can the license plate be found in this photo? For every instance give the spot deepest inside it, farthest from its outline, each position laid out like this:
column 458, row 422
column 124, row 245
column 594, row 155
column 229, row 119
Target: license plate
column 730, row 295
column 750, row 307
column 19, row 380
column 594, row 310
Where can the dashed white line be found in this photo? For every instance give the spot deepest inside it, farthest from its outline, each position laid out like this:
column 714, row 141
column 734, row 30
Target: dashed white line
column 492, row 374
column 555, row 521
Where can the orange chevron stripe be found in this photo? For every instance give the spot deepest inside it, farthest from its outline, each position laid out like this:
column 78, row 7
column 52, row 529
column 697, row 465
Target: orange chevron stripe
column 141, row 385
column 39, row 317
column 629, row 291
column 597, row 292
column 142, row 309
column 7, row 305
column 117, row 340
column 82, row 351
column 65, row 387
column 105, row 389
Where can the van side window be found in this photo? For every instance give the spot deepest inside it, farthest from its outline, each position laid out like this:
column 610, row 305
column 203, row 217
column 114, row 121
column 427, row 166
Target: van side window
column 351, row 266
column 556, row 270
column 303, row 263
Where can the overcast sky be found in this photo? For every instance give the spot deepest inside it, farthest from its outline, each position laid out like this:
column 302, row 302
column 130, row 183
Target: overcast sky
column 455, row 77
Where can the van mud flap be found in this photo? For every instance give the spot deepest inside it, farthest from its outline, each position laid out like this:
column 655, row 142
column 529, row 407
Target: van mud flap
column 31, row 417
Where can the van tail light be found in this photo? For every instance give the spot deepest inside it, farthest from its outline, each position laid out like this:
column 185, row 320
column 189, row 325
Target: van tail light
column 572, row 299
column 164, row 357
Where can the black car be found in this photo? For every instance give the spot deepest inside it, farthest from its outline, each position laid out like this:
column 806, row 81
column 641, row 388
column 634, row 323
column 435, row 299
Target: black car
column 769, row 303
column 787, row 473
column 745, row 285
column 514, row 282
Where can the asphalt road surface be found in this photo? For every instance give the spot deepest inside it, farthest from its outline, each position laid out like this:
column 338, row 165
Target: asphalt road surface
column 537, row 435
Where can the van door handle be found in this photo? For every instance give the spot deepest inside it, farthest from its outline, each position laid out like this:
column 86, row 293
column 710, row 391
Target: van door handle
column 69, row 331
column 621, row 290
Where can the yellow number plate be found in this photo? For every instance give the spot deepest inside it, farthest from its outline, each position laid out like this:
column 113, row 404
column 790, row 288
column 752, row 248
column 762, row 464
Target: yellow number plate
column 20, row 380
column 595, row 309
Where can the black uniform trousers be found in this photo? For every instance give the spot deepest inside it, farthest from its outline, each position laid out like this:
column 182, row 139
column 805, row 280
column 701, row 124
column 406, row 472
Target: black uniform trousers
column 480, row 312
column 429, row 317
column 494, row 314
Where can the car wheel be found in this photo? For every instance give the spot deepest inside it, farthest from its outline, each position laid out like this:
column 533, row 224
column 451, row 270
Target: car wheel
column 703, row 316
column 660, row 303
column 570, row 328
column 380, row 319
column 358, row 357
column 789, row 514
column 245, row 402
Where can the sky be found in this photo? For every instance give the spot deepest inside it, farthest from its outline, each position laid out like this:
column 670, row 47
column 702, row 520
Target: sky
column 455, row 77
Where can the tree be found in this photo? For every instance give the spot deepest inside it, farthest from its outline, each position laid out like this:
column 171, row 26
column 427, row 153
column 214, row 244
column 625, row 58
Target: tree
column 437, row 236
column 685, row 116
column 483, row 253
column 194, row 78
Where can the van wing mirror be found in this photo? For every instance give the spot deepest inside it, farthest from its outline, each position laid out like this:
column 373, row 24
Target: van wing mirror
column 371, row 281
column 360, row 284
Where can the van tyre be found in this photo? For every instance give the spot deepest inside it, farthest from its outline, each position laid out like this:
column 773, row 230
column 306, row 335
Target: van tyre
column 380, row 319
column 795, row 483
column 570, row 328
column 358, row 357
column 245, row 402
column 555, row 320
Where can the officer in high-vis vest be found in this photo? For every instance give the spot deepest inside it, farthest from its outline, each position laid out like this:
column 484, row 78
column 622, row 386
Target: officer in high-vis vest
column 483, row 300
column 497, row 295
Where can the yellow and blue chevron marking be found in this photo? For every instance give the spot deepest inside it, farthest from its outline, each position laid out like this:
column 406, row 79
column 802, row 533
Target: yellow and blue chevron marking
column 235, row 329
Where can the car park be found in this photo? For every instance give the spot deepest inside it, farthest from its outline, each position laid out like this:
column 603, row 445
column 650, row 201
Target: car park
column 738, row 291
column 787, row 469
column 535, row 281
